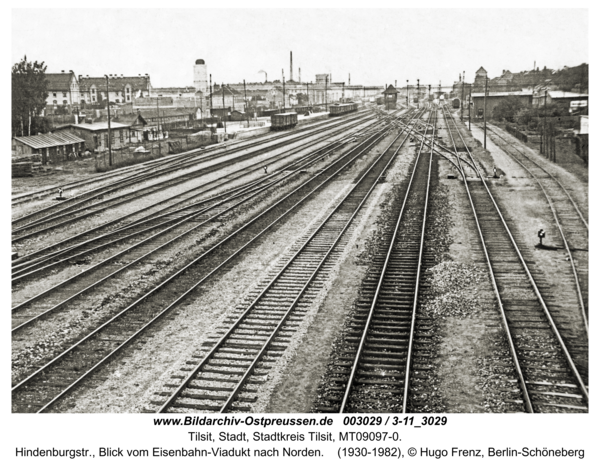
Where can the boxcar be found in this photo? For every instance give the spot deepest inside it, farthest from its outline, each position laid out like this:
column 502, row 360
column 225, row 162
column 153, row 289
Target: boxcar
column 456, row 103
column 284, row 121
column 341, row 109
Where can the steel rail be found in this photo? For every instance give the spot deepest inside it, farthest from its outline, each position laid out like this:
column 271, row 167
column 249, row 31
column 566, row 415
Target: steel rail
column 536, row 290
column 368, row 144
column 28, row 265
column 87, row 197
column 308, row 160
column 512, row 348
column 238, row 387
column 363, row 338
column 562, row 235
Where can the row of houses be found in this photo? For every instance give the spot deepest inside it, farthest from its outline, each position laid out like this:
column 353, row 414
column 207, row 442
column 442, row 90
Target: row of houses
column 516, row 86
column 67, row 89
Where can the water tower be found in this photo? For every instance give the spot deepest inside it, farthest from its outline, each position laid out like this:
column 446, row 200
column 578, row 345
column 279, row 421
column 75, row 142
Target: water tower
column 200, row 76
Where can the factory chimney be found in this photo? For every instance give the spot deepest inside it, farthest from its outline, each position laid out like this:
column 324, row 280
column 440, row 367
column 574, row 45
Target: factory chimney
column 291, row 67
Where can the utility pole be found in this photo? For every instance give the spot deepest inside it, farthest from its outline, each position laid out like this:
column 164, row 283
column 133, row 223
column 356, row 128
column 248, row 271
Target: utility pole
column 326, row 100
column 407, row 94
column 462, row 97
column 470, row 92
column 246, row 105
column 224, row 109
column 211, row 93
column 157, row 117
column 545, row 137
column 307, row 95
column 283, row 81
column 110, row 159
column 429, row 93
column 484, row 116
column 417, row 93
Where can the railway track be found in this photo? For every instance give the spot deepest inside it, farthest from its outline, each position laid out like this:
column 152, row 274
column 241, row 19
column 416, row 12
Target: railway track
column 570, row 222
column 371, row 372
column 548, row 376
column 230, row 372
column 175, row 226
column 100, row 237
column 167, row 160
column 95, row 202
column 51, row 381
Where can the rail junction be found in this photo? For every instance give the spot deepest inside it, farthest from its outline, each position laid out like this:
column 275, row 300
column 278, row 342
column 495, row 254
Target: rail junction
column 242, row 248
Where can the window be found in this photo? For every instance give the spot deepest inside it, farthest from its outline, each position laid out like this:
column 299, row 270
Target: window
column 64, row 94
column 65, row 101
column 53, row 94
column 55, row 102
column 121, row 136
column 117, row 100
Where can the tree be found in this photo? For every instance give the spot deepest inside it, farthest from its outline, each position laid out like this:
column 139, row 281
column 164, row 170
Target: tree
column 29, row 93
column 508, row 109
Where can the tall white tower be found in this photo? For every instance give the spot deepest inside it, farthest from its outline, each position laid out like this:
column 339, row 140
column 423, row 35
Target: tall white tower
column 200, row 76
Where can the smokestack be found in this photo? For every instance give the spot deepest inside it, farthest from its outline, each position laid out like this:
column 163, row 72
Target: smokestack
column 395, row 83
column 291, row 67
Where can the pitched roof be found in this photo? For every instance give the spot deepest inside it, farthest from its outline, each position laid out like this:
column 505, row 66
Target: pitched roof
column 225, row 90
column 115, row 83
column 481, row 69
column 49, row 140
column 390, row 90
column 59, row 81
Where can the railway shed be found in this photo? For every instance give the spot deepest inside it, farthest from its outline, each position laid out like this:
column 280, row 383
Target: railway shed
column 52, row 146
column 493, row 99
column 95, row 135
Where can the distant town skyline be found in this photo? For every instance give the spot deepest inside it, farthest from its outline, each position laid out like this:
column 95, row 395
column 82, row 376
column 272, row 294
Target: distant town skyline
column 374, row 46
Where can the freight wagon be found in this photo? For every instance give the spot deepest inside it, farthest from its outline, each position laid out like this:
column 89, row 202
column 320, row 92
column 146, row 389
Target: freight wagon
column 456, row 103
column 284, row 121
column 341, row 109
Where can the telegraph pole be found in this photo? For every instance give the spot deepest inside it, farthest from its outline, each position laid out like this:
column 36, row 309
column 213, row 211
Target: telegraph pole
column 462, row 97
column 407, row 94
column 470, row 92
column 110, row 159
column 307, row 95
column 545, row 136
column 484, row 116
column 429, row 93
column 417, row 93
column 283, row 80
column 224, row 109
column 211, row 93
column 246, row 105
column 157, row 117
column 326, row 100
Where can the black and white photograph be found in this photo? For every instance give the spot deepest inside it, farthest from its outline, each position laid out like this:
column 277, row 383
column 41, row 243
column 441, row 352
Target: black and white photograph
column 371, row 215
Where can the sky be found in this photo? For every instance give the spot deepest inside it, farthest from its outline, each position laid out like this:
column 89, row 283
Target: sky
column 374, row 46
